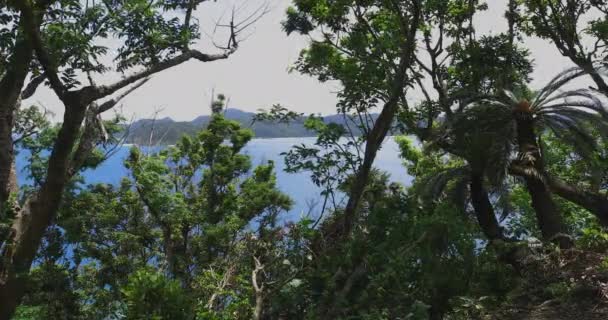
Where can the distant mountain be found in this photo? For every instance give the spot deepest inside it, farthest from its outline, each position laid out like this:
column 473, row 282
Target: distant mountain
column 168, row 131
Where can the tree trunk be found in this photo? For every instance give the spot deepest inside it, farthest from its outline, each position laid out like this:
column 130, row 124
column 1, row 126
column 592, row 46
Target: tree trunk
column 11, row 85
column 384, row 122
column 258, row 288
column 374, row 141
column 595, row 203
column 10, row 91
column 259, row 306
column 435, row 313
column 587, row 65
column 599, row 81
column 484, row 210
column 550, row 220
column 37, row 214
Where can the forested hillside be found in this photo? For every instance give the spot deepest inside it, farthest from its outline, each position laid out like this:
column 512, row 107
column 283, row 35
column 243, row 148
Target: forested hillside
column 506, row 216
column 165, row 131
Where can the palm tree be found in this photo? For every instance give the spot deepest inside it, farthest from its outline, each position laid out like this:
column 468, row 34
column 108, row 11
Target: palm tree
column 483, row 172
column 568, row 113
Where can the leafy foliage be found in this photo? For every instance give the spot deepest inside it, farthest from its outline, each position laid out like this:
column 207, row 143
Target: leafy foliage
column 195, row 231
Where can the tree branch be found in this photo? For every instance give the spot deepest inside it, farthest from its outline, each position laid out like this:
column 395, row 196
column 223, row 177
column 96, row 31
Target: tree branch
column 382, row 125
column 112, row 102
column 32, row 86
column 593, row 202
column 32, row 31
column 90, row 94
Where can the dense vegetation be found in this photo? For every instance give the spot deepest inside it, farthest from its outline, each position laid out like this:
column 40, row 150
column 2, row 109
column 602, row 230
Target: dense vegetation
column 507, row 211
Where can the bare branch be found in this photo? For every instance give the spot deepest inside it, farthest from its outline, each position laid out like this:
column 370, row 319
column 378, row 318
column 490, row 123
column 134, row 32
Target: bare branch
column 254, row 275
column 236, row 28
column 91, row 94
column 112, row 102
column 156, row 113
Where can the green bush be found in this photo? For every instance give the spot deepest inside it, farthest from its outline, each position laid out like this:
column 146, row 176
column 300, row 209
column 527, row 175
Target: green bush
column 151, row 295
column 593, row 239
column 557, row 290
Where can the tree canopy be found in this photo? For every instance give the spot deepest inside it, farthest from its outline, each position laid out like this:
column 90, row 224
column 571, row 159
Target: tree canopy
column 507, row 209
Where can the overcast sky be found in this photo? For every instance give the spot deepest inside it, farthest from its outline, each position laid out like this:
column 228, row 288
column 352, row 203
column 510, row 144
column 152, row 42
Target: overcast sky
column 257, row 75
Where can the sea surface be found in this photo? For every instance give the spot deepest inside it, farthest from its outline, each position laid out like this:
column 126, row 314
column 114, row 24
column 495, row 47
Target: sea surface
column 297, row 185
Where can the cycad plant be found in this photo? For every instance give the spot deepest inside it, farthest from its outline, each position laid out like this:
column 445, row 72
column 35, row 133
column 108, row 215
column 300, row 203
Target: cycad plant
column 483, row 171
column 568, row 113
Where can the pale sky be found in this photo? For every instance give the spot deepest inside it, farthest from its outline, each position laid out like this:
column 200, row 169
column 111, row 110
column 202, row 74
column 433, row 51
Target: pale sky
column 257, row 75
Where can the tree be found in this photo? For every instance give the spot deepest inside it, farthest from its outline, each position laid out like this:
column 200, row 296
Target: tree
column 394, row 264
column 455, row 67
column 182, row 205
column 458, row 79
column 567, row 114
column 480, row 176
column 371, row 61
column 196, row 231
column 62, row 34
column 570, row 24
column 191, row 226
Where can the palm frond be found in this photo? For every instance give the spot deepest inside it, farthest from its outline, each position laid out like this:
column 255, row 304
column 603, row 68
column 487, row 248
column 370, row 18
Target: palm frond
column 573, row 133
column 588, row 97
column 556, row 84
column 483, row 135
column 583, row 118
column 436, row 185
column 580, row 106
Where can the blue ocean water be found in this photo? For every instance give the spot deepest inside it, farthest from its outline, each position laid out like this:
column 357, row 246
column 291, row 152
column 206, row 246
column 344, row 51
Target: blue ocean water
column 297, row 185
